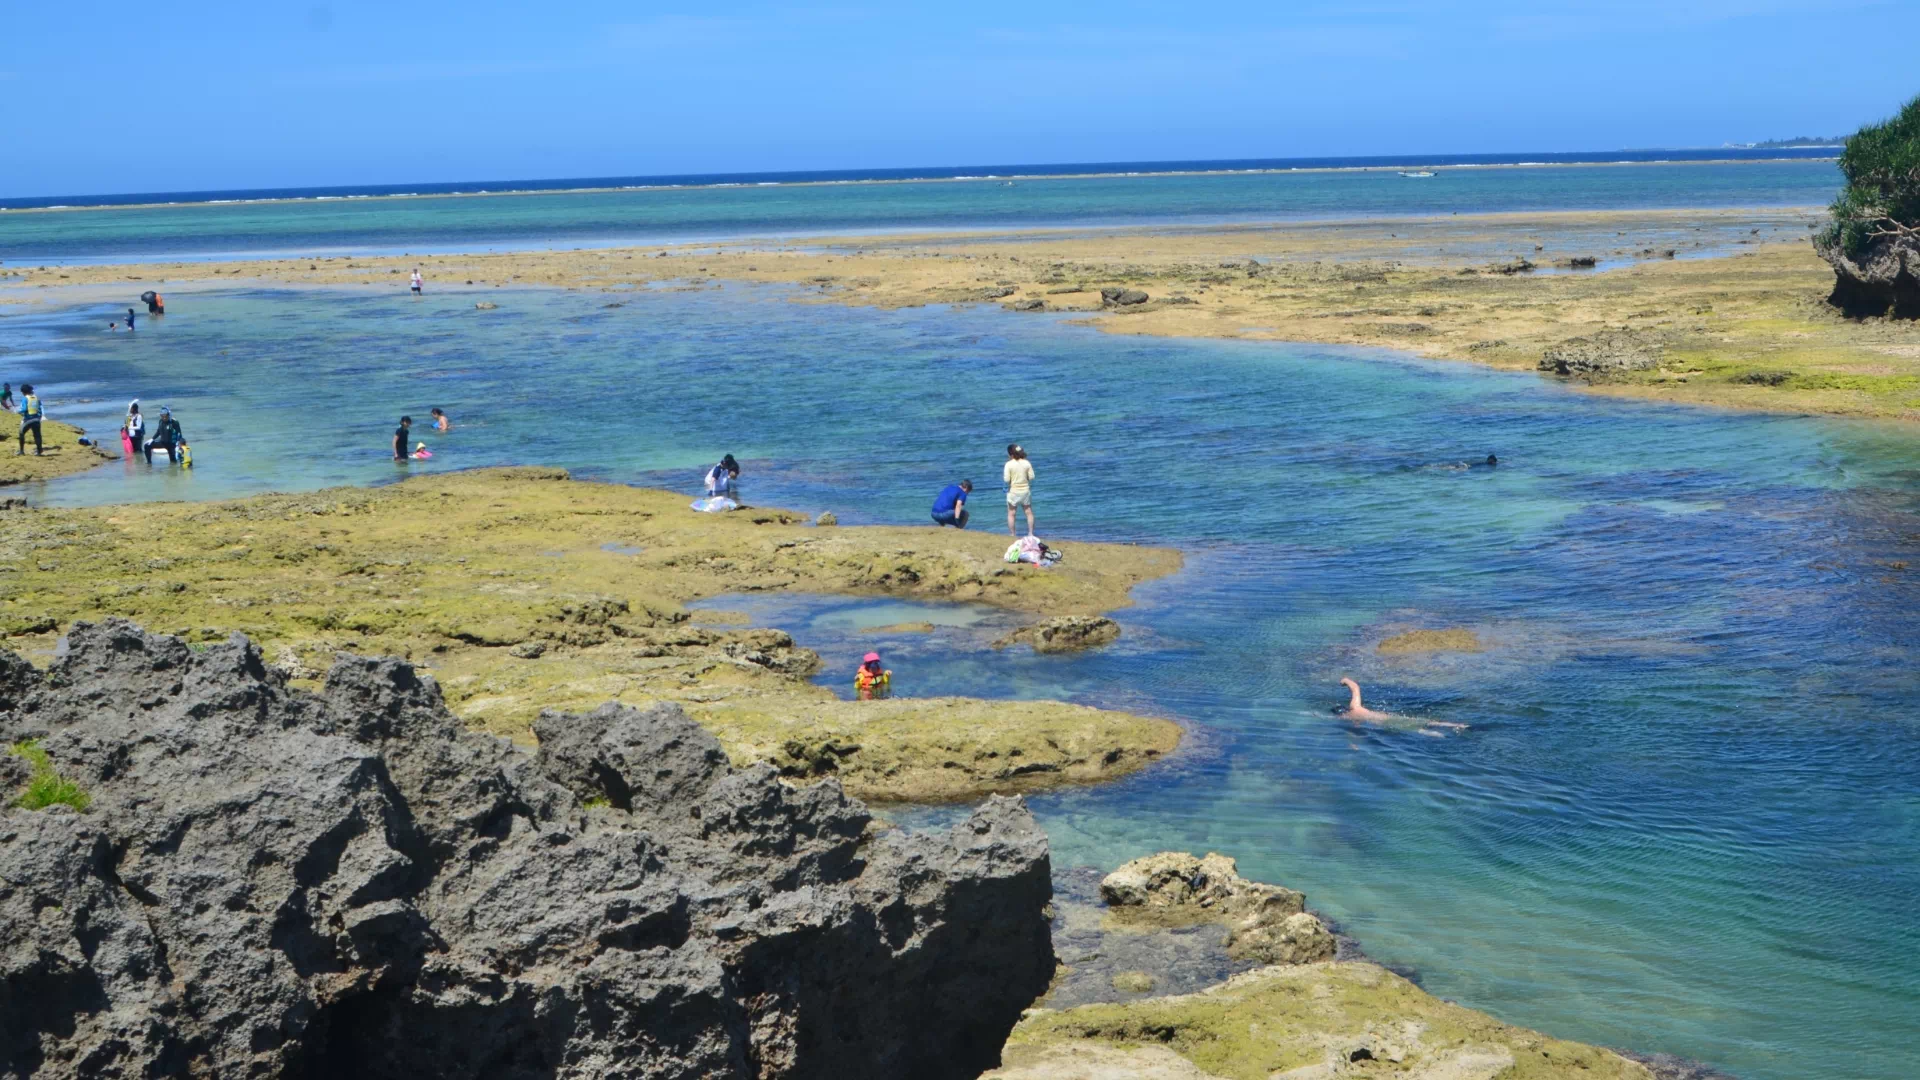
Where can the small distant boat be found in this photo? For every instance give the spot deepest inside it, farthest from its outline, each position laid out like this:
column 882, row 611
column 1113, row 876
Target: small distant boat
column 1418, row 174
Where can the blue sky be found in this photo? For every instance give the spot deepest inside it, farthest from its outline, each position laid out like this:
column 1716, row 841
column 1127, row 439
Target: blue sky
column 121, row 97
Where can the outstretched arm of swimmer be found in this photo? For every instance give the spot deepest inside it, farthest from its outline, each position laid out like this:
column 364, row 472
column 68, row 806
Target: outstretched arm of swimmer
column 1354, row 708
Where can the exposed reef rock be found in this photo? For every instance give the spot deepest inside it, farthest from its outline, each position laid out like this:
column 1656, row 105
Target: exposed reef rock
column 1882, row 279
column 1302, row 1022
column 1118, row 297
column 1067, row 633
column 1267, row 923
column 272, row 883
column 1609, row 352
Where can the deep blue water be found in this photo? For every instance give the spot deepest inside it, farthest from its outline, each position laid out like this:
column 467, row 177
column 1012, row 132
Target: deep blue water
column 937, row 172
column 1684, row 818
column 771, row 210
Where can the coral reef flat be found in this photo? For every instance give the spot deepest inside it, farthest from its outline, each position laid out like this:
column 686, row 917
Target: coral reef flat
column 517, row 589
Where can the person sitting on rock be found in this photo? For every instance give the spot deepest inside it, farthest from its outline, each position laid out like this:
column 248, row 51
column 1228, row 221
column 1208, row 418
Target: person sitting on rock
column 872, row 681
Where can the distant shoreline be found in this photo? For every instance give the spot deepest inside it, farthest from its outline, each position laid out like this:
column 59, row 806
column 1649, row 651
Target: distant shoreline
column 932, row 176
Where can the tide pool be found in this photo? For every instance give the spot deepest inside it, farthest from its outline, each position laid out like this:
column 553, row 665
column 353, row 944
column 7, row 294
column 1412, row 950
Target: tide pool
column 1684, row 817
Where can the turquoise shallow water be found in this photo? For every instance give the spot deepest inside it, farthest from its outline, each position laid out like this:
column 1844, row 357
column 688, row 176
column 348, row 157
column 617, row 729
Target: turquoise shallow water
column 671, row 215
column 1684, row 818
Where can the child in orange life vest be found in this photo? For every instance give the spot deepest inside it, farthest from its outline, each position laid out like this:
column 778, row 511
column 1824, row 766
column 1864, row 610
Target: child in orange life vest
column 872, row 681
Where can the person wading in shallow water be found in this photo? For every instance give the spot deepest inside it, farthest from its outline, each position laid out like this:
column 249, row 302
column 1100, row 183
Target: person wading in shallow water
column 400, row 438
column 1018, row 474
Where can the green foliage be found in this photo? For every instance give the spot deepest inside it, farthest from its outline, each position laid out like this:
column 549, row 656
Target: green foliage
column 47, row 786
column 1882, row 167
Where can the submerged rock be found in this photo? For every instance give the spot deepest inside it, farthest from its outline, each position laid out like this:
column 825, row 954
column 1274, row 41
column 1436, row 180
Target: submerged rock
column 1065, row 633
column 1451, row 639
column 1267, row 923
column 276, row 883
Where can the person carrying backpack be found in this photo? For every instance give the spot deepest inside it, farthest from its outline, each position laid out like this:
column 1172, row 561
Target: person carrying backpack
column 31, row 414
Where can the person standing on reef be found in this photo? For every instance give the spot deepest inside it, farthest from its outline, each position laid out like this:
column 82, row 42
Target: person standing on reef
column 30, row 416
column 1018, row 474
column 416, row 281
column 6, row 396
column 440, row 421
column 400, row 438
column 950, row 506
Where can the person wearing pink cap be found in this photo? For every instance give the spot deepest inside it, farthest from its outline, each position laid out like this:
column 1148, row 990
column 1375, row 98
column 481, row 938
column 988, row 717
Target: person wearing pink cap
column 872, row 681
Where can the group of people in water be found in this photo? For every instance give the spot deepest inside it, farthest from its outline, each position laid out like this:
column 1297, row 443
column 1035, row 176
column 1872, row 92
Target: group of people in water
column 167, row 435
column 402, row 435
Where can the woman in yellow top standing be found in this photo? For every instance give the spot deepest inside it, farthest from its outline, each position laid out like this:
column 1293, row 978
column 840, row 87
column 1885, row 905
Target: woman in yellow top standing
column 1018, row 473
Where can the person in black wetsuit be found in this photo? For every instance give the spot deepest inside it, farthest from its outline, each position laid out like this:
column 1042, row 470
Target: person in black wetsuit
column 166, row 436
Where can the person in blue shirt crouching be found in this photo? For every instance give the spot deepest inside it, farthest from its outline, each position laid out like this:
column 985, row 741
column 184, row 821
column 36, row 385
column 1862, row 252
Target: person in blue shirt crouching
column 950, row 506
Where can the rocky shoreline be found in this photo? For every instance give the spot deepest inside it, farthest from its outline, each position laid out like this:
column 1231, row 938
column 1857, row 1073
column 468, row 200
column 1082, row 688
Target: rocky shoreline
column 268, row 882
column 238, row 877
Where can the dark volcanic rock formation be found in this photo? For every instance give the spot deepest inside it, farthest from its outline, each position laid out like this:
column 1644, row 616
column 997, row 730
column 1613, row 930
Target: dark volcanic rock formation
column 271, row 883
column 1881, row 279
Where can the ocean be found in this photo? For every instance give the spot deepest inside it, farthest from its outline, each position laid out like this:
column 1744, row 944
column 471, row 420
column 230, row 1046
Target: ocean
column 1683, row 817
column 322, row 223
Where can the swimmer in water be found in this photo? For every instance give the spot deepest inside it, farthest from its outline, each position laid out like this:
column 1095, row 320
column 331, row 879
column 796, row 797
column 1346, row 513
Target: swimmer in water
column 1354, row 710
column 1358, row 711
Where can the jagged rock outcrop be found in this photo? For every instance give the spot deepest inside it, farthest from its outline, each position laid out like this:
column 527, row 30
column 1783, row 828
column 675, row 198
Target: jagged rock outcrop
column 1266, row 923
column 1881, row 279
column 272, row 883
column 1064, row 633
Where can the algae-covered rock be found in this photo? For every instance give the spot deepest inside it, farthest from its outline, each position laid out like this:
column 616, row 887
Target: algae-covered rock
column 1603, row 354
column 527, row 591
column 1451, row 639
column 1064, row 633
column 1267, row 923
column 1132, row 982
column 1301, row 1022
column 272, row 883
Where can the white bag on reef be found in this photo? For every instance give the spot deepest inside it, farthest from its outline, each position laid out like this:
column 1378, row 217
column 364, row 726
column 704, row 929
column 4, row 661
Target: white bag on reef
column 715, row 504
